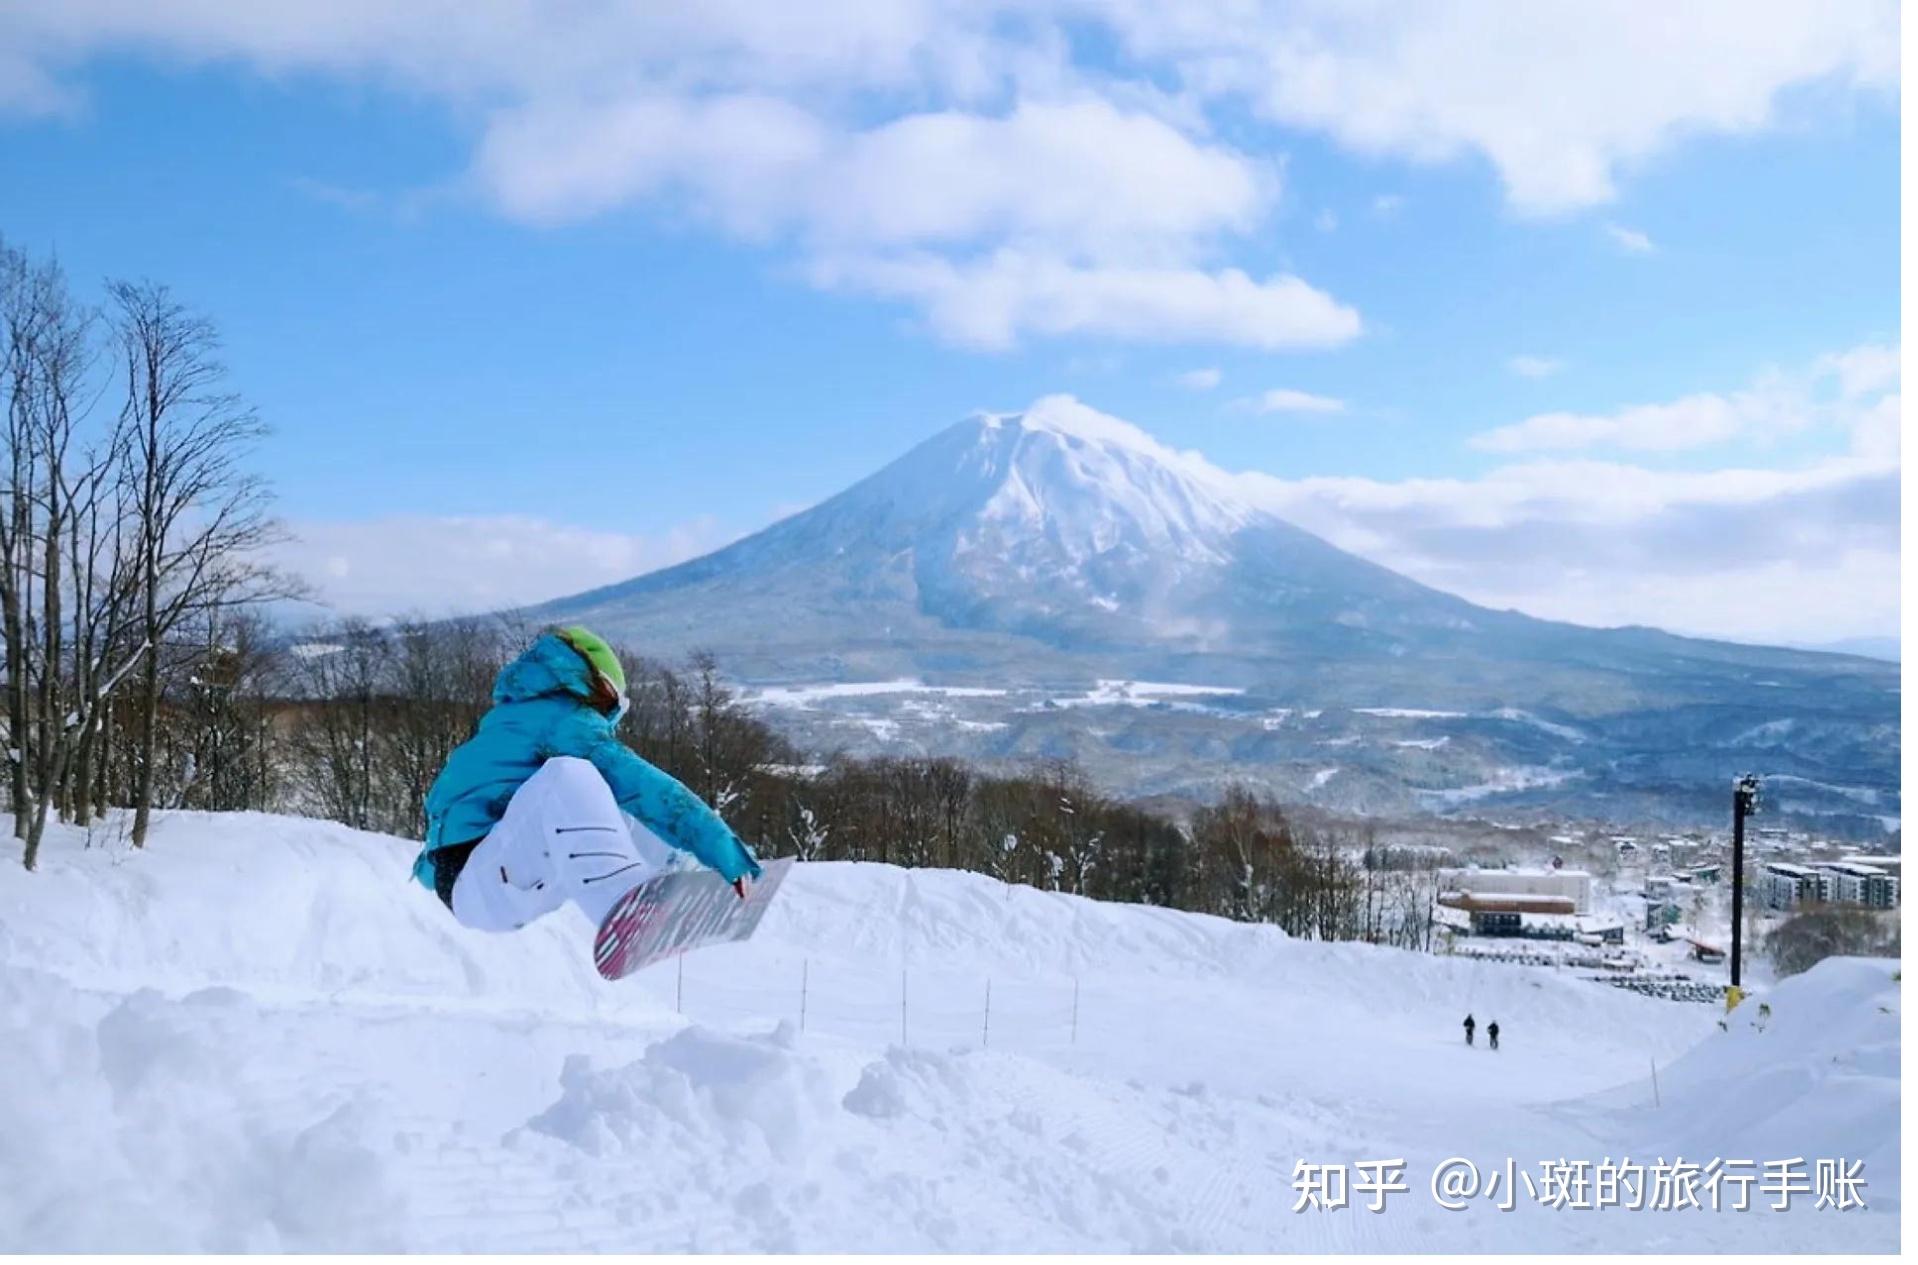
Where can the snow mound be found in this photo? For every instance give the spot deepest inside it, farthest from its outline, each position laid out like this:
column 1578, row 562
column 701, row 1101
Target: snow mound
column 137, row 1132
column 751, row 1096
column 1809, row 1069
column 715, row 1142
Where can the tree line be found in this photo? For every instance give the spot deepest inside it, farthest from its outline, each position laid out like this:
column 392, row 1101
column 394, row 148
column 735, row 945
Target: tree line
column 131, row 536
column 355, row 721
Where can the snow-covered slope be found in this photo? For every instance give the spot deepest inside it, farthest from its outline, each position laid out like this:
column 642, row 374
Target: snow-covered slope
column 258, row 1034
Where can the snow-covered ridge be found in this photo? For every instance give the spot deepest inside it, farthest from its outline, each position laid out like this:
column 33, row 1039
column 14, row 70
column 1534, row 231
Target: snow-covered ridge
column 1090, row 483
column 258, row 1034
column 1067, row 416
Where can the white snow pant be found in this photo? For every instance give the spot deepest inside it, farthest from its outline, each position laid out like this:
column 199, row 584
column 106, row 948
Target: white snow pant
column 562, row 837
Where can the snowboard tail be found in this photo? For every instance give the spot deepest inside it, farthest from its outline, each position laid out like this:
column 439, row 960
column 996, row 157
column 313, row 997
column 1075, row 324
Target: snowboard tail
column 681, row 910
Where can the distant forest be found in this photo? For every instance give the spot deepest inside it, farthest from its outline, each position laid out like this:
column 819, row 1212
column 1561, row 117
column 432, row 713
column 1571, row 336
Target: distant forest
column 354, row 723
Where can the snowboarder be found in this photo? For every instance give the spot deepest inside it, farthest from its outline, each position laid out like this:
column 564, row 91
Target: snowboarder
column 1469, row 1026
column 1491, row 1031
column 529, row 812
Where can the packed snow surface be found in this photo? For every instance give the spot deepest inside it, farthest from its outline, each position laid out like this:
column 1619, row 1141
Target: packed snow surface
column 257, row 1034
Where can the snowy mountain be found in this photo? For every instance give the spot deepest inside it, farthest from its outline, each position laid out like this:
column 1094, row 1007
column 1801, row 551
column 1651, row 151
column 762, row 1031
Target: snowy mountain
column 1074, row 532
column 1041, row 553
column 256, row 1034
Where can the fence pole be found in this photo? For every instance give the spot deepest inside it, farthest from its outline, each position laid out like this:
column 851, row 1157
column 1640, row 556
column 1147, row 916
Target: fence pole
column 805, row 970
column 985, row 1032
column 902, row 1006
column 1075, row 1010
column 679, row 985
column 1655, row 1101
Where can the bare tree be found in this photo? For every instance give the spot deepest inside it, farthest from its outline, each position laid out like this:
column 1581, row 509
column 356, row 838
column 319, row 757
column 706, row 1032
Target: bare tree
column 58, row 544
column 219, row 732
column 200, row 519
column 1822, row 931
column 441, row 683
column 342, row 681
column 1237, row 850
column 20, row 319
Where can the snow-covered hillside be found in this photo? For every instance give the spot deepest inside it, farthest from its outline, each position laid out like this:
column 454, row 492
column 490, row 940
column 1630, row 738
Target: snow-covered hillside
column 258, row 1034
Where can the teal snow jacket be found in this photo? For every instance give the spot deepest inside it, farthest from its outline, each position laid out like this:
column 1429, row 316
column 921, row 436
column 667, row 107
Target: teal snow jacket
column 540, row 710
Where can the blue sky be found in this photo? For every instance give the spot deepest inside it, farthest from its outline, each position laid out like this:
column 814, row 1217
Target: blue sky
column 611, row 287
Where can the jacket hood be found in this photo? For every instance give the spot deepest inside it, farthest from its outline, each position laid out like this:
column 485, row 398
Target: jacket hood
column 548, row 666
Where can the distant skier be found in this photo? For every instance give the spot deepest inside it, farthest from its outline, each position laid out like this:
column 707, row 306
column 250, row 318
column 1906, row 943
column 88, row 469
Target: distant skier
column 1491, row 1032
column 527, row 813
column 1469, row 1026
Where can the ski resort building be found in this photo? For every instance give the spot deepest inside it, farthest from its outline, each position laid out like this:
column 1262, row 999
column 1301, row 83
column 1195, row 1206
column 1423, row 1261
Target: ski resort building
column 1599, row 929
column 1856, row 883
column 1659, row 886
column 1853, row 881
column 1528, row 915
column 1506, row 913
column 1571, row 885
column 1784, row 885
column 1662, row 912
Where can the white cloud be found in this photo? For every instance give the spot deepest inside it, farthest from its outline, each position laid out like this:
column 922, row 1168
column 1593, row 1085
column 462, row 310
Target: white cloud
column 927, row 140
column 27, row 88
column 953, row 155
column 992, row 302
column 1811, row 552
column 1287, row 400
column 1200, row 379
column 1326, row 222
column 1559, row 97
column 731, row 155
column 1697, row 421
column 1829, row 394
column 1077, row 177
column 1534, row 366
column 436, row 566
column 1630, row 240
column 1863, row 370
column 1387, row 205
column 1812, row 555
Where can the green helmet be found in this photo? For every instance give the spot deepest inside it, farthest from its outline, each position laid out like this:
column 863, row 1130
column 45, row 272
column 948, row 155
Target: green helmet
column 595, row 651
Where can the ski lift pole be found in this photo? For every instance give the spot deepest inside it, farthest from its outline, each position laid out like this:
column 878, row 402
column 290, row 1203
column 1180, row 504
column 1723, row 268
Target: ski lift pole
column 1744, row 803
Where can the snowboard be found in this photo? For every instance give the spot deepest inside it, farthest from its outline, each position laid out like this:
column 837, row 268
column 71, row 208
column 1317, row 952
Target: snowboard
column 681, row 910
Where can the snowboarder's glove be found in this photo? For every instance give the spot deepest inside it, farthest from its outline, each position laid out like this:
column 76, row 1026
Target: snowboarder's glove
column 741, row 885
